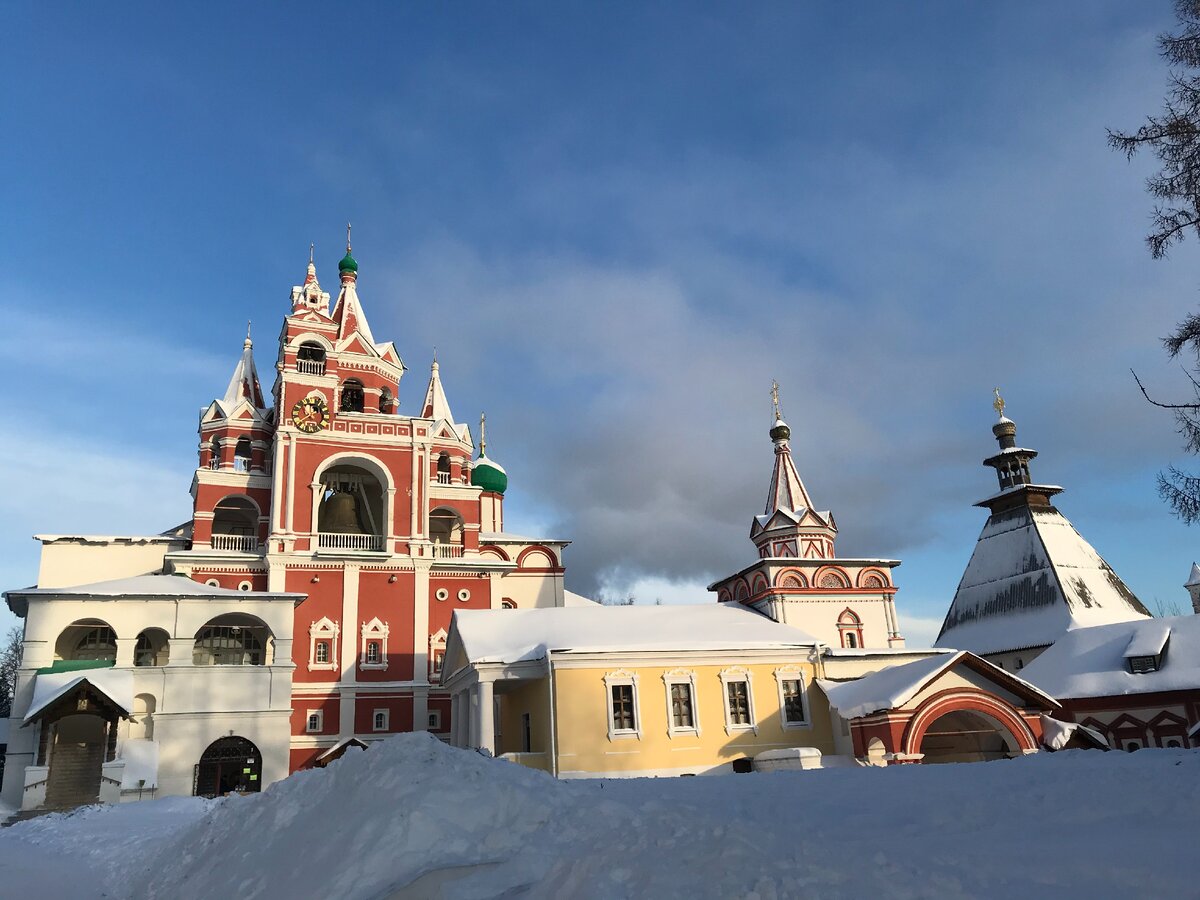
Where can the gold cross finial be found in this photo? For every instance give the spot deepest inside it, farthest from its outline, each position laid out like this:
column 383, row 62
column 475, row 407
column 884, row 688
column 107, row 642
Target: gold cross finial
column 775, row 400
column 998, row 403
column 347, row 237
column 483, row 434
column 311, row 247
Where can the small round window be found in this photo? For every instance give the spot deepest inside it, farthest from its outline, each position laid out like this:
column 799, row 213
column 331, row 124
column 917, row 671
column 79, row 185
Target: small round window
column 442, row 594
column 244, row 586
column 464, row 595
column 212, row 582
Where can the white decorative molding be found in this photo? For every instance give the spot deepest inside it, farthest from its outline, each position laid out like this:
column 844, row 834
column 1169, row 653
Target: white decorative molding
column 323, row 630
column 733, row 675
column 688, row 677
column 374, row 632
column 314, row 721
column 614, row 679
column 792, row 673
column 437, row 654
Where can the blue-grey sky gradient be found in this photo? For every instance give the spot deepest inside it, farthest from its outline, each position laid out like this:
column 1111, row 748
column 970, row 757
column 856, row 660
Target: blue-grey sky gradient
column 617, row 223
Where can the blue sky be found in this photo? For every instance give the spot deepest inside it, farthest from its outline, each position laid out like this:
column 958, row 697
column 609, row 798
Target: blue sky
column 617, row 224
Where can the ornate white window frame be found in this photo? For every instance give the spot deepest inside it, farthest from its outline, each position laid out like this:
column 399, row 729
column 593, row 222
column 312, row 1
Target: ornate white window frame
column 374, row 630
column 670, row 679
column 733, row 675
column 792, row 673
column 309, row 715
column 615, row 679
column 324, row 629
column 387, row 719
column 434, row 721
column 437, row 641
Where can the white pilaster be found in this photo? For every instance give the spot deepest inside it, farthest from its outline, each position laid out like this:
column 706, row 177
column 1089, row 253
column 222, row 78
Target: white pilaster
column 486, row 715
column 349, row 649
column 420, row 647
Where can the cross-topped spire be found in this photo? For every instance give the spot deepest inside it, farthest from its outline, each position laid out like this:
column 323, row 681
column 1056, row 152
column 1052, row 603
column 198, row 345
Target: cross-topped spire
column 483, row 434
column 775, row 400
column 347, row 237
column 247, row 344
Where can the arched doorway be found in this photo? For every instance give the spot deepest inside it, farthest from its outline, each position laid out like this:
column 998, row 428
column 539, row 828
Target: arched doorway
column 229, row 764
column 966, row 736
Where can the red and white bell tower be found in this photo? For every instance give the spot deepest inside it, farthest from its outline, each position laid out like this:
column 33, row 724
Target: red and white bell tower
column 382, row 518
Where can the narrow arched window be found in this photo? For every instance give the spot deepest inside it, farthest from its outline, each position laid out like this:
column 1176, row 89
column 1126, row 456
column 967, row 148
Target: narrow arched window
column 385, row 400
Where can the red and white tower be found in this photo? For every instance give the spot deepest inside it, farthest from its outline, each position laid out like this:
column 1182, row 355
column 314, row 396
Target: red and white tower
column 383, row 519
column 798, row 579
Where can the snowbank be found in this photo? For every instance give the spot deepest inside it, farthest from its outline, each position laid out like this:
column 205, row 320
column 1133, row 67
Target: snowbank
column 411, row 817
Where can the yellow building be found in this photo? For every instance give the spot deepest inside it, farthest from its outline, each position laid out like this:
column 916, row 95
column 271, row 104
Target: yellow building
column 634, row 691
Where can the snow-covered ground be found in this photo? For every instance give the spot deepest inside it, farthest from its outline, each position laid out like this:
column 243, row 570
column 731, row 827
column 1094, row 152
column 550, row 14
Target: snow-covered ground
column 414, row 818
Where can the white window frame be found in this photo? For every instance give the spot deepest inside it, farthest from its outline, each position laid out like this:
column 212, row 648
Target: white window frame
column 434, row 721
column 619, row 678
column 387, row 719
column 437, row 641
column 670, row 679
column 308, row 717
column 728, row 677
column 792, row 673
column 324, row 629
column 374, row 630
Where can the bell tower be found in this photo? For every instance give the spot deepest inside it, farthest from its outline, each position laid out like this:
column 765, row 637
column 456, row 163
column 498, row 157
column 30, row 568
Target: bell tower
column 374, row 511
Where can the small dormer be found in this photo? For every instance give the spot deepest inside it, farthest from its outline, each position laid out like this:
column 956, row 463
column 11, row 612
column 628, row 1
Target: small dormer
column 1147, row 647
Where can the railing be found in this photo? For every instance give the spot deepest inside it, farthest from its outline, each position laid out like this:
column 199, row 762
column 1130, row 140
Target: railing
column 241, row 543
column 329, row 541
column 241, row 464
column 447, row 478
column 215, row 463
column 447, row 551
column 443, row 478
column 310, row 366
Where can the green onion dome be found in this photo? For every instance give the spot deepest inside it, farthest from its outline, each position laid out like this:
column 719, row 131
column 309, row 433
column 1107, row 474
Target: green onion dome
column 780, row 432
column 489, row 475
column 348, row 264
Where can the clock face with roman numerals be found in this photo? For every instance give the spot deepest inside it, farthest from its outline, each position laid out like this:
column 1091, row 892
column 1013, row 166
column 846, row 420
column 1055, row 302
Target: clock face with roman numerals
column 310, row 414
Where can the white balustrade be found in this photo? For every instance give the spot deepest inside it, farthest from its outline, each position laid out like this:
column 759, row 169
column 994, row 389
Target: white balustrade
column 447, row 551
column 369, row 542
column 310, row 366
column 239, row 543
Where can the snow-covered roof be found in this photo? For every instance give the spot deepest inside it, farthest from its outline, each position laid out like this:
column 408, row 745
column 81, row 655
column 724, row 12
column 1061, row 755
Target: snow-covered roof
column 340, row 745
column 1091, row 662
column 116, row 684
column 506, row 537
column 896, row 685
column 509, row 636
column 1056, row 734
column 165, row 538
column 1148, row 640
column 787, row 491
column 1194, row 578
column 570, row 598
column 1032, row 578
column 436, row 406
column 147, row 586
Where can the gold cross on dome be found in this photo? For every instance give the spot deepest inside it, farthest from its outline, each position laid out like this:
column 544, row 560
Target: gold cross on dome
column 775, row 400
column 998, row 403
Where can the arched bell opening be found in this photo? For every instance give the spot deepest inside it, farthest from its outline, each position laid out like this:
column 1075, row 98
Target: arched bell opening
column 242, row 454
column 446, row 531
column 352, row 511
column 353, row 396
column 310, row 358
column 152, row 648
column 385, row 400
column 87, row 640
column 229, row 765
column 967, row 736
column 235, row 639
column 443, row 468
column 235, row 525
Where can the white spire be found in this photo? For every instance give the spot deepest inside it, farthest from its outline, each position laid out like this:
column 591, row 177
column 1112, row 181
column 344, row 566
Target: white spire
column 787, row 490
column 1194, row 578
column 436, row 406
column 244, row 382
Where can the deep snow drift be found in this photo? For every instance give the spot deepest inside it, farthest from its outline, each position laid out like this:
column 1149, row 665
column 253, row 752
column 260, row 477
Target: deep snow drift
column 414, row 818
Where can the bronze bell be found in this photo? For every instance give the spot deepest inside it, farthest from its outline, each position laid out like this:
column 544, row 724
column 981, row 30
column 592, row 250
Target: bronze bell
column 339, row 514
